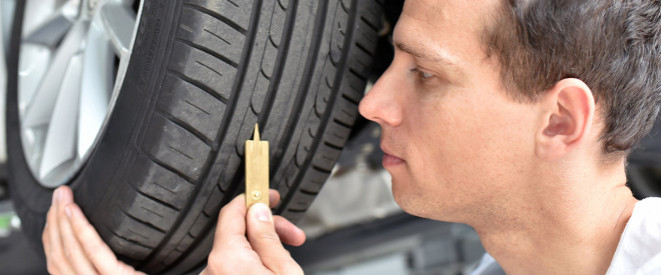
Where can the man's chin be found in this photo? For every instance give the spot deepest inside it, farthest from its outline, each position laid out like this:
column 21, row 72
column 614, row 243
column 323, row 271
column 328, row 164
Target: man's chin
column 412, row 209
column 401, row 192
column 415, row 204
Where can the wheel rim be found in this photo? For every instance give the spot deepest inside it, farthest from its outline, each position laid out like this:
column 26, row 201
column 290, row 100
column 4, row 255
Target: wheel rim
column 73, row 59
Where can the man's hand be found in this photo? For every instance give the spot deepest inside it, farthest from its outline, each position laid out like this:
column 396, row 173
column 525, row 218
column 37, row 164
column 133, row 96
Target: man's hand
column 249, row 241
column 72, row 245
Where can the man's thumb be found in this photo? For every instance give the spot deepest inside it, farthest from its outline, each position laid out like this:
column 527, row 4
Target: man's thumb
column 265, row 241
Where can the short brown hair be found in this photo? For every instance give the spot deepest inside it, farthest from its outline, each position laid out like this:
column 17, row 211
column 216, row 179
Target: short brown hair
column 612, row 46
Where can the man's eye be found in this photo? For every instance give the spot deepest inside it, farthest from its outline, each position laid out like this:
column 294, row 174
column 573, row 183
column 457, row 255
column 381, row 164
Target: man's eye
column 421, row 74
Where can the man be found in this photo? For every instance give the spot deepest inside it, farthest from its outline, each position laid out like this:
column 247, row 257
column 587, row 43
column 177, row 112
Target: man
column 514, row 117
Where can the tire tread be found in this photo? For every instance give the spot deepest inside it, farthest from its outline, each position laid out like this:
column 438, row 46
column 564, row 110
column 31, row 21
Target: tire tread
column 220, row 94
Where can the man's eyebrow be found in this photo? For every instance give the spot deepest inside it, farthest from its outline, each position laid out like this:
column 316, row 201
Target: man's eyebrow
column 424, row 55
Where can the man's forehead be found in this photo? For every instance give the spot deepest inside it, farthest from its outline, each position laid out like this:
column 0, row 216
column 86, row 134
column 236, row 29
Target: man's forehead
column 427, row 11
column 432, row 54
column 443, row 10
column 438, row 26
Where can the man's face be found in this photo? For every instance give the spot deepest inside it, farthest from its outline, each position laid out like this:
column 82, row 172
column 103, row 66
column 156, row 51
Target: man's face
column 455, row 143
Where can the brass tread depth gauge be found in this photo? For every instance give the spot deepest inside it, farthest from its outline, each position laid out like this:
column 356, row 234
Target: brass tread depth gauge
column 257, row 170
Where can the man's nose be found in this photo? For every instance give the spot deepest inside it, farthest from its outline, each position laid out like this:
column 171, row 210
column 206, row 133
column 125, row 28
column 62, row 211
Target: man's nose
column 382, row 103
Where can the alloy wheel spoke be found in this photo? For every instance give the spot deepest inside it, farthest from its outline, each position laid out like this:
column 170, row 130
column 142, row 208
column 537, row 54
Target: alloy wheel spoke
column 34, row 63
column 119, row 23
column 126, row 3
column 52, row 30
column 40, row 106
column 97, row 84
column 59, row 146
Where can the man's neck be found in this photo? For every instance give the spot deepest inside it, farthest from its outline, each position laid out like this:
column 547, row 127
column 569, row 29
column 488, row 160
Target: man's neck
column 577, row 233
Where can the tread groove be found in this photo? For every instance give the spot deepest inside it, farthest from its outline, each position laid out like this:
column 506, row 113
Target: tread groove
column 369, row 24
column 151, row 226
column 341, row 123
column 273, row 42
column 358, row 75
column 180, row 152
column 172, row 207
column 164, row 188
column 341, row 30
column 332, row 146
column 296, row 211
column 208, row 67
column 328, row 84
column 232, row 2
column 344, row 8
column 308, row 192
column 264, row 74
column 362, row 48
column 190, row 129
column 167, row 167
column 197, row 84
column 128, row 240
column 152, row 211
column 217, row 36
column 186, row 27
column 207, row 51
column 197, row 107
column 137, row 233
column 321, row 169
column 220, row 17
column 281, row 6
column 348, row 98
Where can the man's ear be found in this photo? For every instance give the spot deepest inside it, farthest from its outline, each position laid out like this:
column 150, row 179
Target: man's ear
column 568, row 109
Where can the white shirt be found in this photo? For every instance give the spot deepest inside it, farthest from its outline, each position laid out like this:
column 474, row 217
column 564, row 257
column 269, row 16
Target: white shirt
column 639, row 250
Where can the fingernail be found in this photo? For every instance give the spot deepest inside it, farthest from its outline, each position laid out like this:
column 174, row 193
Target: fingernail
column 67, row 210
column 56, row 196
column 261, row 212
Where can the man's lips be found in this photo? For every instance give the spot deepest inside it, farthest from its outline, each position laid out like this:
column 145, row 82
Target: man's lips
column 389, row 159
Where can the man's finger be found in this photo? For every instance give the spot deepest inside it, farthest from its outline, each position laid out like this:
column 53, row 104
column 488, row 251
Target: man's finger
column 57, row 262
column 231, row 220
column 232, row 253
column 274, row 198
column 45, row 238
column 98, row 253
column 265, row 241
column 72, row 248
column 289, row 233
